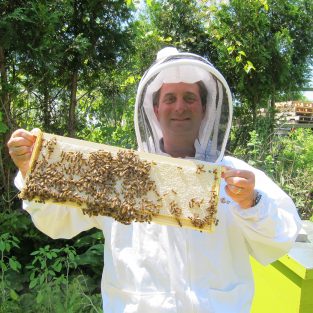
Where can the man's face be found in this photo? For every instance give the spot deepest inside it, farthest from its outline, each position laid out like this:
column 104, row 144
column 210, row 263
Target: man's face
column 179, row 110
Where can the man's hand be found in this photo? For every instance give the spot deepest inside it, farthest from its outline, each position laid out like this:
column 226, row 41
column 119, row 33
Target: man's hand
column 240, row 186
column 20, row 147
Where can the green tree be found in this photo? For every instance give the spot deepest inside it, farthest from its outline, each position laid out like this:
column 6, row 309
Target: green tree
column 70, row 52
column 10, row 12
column 51, row 55
column 264, row 48
column 183, row 22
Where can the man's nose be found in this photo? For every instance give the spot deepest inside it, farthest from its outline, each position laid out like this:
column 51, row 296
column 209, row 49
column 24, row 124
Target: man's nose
column 180, row 105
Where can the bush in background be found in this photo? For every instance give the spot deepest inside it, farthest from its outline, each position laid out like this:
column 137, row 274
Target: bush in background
column 288, row 160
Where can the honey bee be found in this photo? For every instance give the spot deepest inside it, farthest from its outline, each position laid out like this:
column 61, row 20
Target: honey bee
column 223, row 200
column 157, row 193
column 104, row 183
column 179, row 222
column 197, row 222
column 174, row 209
column 200, row 169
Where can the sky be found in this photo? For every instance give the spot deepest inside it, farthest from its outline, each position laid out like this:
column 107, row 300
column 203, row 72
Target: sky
column 308, row 95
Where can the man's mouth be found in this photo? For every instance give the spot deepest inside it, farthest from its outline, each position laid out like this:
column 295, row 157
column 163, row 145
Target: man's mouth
column 181, row 119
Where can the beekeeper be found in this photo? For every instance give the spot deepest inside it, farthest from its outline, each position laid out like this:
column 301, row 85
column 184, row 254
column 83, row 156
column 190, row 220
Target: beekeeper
column 183, row 109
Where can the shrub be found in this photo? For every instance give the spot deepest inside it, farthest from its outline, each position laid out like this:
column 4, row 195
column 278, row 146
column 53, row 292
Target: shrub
column 288, row 160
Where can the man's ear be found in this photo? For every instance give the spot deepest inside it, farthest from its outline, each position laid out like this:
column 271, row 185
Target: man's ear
column 203, row 110
column 156, row 111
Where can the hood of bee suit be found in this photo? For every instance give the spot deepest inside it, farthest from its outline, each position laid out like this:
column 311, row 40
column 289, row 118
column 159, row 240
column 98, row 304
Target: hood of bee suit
column 172, row 66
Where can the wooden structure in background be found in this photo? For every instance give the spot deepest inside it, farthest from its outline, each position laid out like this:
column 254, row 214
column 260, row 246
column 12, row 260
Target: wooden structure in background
column 295, row 112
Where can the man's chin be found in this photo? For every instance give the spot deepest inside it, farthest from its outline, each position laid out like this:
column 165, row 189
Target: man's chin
column 180, row 130
column 181, row 124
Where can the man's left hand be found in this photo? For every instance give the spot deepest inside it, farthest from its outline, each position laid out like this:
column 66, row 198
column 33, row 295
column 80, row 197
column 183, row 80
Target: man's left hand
column 240, row 186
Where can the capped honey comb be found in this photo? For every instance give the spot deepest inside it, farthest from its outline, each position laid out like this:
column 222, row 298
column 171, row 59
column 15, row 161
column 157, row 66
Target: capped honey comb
column 126, row 185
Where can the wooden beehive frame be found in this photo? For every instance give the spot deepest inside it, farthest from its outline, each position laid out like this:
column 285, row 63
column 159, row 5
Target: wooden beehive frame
column 126, row 185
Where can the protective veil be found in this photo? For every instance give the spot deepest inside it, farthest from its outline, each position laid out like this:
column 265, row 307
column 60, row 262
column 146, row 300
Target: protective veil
column 172, row 66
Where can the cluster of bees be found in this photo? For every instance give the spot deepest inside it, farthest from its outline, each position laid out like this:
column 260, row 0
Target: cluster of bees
column 119, row 186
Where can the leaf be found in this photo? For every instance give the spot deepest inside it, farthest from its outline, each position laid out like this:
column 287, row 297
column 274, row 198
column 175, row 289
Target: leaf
column 2, row 246
column 71, row 255
column 57, row 266
column 231, row 49
column 14, row 264
column 52, row 273
column 7, row 246
column 265, row 4
column 33, row 283
column 14, row 243
column 32, row 276
column 3, row 267
column 248, row 67
column 41, row 279
column 238, row 58
column 40, row 297
column 54, row 254
column 13, row 295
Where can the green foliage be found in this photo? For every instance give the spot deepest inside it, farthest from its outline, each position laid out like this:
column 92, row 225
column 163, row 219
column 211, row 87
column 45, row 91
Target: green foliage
column 182, row 24
column 8, row 263
column 91, row 247
column 48, row 262
column 264, row 48
column 298, row 149
column 51, row 298
column 55, row 285
column 288, row 160
column 50, row 279
column 3, row 126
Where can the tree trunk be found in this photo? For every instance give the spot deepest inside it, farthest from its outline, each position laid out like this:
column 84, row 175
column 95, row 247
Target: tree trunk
column 272, row 108
column 254, row 113
column 45, row 109
column 272, row 111
column 5, row 100
column 73, row 103
column 5, row 170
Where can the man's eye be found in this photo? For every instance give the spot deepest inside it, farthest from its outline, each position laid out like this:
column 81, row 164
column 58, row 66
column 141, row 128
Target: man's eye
column 190, row 98
column 169, row 99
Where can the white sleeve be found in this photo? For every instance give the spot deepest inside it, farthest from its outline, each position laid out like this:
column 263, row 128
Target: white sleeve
column 271, row 227
column 56, row 221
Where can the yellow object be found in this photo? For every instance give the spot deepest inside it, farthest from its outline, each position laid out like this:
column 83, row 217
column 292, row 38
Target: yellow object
column 285, row 286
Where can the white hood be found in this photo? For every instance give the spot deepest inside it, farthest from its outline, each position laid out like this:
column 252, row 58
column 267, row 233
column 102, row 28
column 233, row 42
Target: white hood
column 172, row 66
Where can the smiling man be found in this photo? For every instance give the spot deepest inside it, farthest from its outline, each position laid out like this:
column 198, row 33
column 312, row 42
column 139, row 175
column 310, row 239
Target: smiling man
column 183, row 109
column 179, row 110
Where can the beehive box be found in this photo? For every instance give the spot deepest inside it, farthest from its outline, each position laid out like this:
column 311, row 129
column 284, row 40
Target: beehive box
column 286, row 285
column 126, row 185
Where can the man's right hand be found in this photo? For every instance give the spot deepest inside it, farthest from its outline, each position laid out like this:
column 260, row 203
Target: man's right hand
column 20, row 147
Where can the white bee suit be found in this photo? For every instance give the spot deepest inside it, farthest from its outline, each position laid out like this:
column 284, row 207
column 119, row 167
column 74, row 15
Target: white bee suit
column 149, row 268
